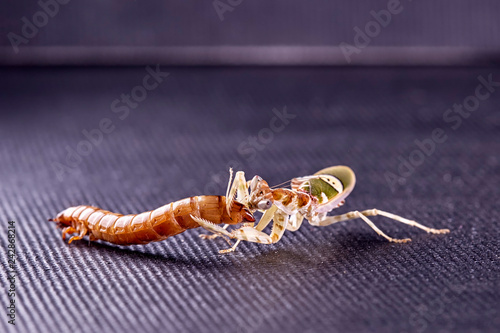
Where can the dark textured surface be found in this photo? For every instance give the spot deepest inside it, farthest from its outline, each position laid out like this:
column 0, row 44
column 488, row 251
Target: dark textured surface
column 178, row 142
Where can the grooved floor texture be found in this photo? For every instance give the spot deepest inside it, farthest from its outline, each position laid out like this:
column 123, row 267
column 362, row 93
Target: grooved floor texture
column 179, row 138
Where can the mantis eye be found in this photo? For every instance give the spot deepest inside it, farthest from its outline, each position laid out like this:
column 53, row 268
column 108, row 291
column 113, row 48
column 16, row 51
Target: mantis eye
column 264, row 204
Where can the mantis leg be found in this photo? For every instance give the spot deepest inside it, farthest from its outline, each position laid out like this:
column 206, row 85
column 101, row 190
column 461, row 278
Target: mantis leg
column 247, row 233
column 295, row 222
column 256, row 232
column 254, row 235
column 238, row 187
column 216, row 229
column 263, row 223
column 266, row 218
column 321, row 221
column 212, row 236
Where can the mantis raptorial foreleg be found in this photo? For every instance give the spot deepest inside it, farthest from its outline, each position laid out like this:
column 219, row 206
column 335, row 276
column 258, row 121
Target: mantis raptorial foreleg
column 295, row 222
column 263, row 223
column 266, row 218
column 251, row 234
column 322, row 221
column 216, row 229
column 212, row 236
column 239, row 187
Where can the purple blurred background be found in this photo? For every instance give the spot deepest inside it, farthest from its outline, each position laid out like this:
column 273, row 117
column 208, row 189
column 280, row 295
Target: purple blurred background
column 246, row 32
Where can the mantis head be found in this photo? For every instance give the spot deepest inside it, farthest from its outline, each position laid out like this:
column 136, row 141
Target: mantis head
column 261, row 196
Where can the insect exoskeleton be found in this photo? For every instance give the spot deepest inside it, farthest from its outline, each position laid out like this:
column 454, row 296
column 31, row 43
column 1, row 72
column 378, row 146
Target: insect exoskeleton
column 151, row 226
column 310, row 198
column 329, row 186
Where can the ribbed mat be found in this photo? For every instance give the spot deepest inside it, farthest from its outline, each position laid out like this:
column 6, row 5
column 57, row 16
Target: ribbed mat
column 180, row 141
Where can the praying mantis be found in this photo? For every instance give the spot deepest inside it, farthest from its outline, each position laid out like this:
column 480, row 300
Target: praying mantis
column 310, row 198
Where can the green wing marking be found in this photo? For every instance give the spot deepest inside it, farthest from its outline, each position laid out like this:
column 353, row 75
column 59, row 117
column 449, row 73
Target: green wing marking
column 321, row 189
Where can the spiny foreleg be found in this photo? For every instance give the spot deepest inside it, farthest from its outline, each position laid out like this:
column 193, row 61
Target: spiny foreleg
column 239, row 187
column 266, row 218
column 216, row 229
column 212, row 236
column 248, row 233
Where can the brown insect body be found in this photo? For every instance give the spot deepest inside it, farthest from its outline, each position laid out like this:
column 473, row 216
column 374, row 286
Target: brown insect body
column 289, row 200
column 151, row 226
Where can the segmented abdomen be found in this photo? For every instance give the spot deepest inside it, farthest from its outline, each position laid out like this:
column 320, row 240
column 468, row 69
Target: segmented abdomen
column 151, row 226
column 292, row 199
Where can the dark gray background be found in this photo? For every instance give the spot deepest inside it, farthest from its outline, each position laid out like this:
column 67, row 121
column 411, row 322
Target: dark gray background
column 182, row 138
column 280, row 22
column 178, row 143
column 452, row 32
